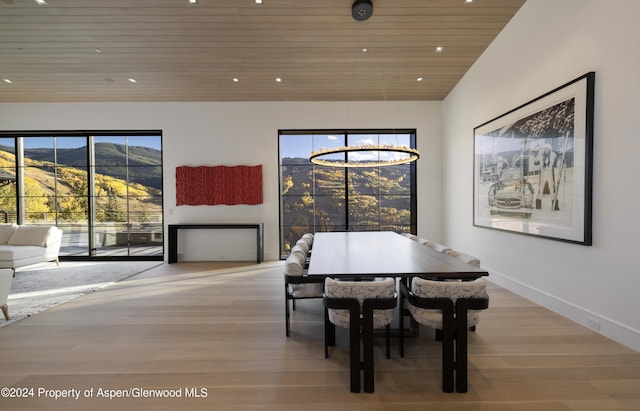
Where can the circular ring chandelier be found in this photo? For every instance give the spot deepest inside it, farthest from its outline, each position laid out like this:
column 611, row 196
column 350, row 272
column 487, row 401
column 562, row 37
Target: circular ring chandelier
column 369, row 155
column 372, row 156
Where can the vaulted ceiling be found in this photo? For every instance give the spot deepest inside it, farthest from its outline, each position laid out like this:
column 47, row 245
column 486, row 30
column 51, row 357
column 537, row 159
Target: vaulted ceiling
column 235, row 50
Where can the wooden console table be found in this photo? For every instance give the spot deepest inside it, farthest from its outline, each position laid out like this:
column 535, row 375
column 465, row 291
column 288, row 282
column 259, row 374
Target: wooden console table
column 173, row 236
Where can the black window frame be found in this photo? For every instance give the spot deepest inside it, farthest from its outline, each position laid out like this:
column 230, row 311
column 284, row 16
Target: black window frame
column 412, row 226
column 89, row 165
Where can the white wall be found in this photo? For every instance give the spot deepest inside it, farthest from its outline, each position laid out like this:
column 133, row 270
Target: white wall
column 245, row 133
column 547, row 44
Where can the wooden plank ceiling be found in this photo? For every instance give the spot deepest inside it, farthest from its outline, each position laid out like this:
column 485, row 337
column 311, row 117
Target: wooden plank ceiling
column 83, row 51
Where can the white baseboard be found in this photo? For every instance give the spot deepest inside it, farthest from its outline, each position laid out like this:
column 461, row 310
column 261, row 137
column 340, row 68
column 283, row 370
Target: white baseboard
column 604, row 326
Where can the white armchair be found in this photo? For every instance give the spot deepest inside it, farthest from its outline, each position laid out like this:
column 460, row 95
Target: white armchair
column 6, row 275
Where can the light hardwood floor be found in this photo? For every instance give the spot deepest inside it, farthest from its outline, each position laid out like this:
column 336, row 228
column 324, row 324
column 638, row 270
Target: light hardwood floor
column 218, row 330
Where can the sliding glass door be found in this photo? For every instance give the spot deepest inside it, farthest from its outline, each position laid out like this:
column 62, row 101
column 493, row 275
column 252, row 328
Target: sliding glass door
column 52, row 187
column 8, row 186
column 127, row 195
column 104, row 191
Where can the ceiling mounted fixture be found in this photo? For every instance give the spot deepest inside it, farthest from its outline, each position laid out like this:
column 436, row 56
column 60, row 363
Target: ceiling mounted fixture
column 361, row 10
column 368, row 155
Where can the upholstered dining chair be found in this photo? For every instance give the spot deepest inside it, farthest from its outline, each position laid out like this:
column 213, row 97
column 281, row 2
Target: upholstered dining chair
column 303, row 245
column 360, row 307
column 302, row 250
column 466, row 258
column 438, row 247
column 410, row 236
column 297, row 285
column 452, row 307
column 6, row 276
column 307, row 238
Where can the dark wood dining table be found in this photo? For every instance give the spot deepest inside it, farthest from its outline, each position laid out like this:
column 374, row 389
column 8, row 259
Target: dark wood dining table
column 372, row 254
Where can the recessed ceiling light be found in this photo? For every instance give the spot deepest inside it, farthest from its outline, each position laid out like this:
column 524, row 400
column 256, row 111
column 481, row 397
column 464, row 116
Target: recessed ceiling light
column 419, row 79
column 98, row 50
column 439, row 49
column 132, row 80
column 193, row 1
column 279, row 79
column 41, row 2
column 258, row 1
column 468, row 1
column 6, row 80
column 364, row 50
column 236, row 79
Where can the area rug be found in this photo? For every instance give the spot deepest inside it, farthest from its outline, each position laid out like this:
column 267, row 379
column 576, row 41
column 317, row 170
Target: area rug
column 39, row 287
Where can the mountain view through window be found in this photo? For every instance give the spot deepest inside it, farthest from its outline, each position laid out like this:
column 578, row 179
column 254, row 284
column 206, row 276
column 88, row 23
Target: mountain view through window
column 105, row 192
column 321, row 198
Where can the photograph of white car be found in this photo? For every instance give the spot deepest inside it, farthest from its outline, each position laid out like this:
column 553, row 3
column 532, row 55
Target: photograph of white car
column 532, row 167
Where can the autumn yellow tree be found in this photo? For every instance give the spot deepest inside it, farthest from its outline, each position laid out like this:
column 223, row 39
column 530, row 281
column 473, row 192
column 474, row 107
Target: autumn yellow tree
column 36, row 202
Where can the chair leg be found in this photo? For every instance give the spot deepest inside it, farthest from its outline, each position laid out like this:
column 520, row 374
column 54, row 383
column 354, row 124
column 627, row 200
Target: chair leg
column 448, row 361
column 461, row 351
column 447, row 364
column 287, row 326
column 354, row 356
column 5, row 311
column 401, row 326
column 329, row 334
column 287, row 313
column 387, row 340
column 326, row 334
column 367, row 357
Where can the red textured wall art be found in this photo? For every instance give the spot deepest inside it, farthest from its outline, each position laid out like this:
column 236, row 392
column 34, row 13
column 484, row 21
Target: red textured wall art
column 228, row 185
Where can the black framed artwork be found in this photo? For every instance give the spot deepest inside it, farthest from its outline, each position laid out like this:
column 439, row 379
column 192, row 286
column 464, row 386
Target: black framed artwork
column 533, row 166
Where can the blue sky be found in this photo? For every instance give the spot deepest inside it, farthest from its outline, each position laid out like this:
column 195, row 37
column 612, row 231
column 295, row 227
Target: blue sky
column 302, row 145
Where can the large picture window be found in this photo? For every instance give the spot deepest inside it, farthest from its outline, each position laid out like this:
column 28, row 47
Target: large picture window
column 104, row 190
column 320, row 198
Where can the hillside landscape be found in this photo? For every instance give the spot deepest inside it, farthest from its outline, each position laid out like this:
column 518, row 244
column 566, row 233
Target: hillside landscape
column 316, row 198
column 135, row 185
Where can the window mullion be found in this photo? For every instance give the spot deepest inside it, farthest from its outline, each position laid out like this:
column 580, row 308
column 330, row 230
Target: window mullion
column 347, row 209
